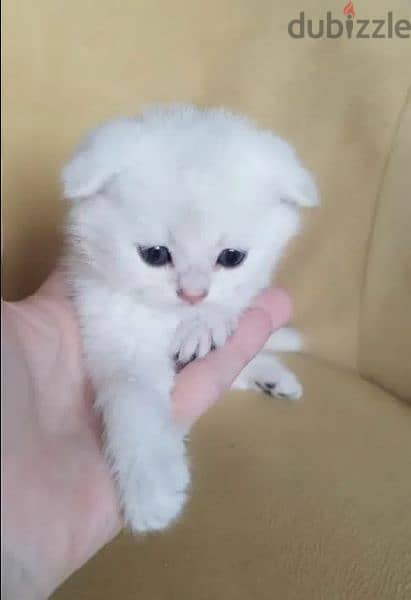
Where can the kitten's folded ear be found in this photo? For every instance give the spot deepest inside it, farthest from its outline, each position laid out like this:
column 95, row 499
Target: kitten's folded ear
column 105, row 152
column 296, row 184
column 301, row 188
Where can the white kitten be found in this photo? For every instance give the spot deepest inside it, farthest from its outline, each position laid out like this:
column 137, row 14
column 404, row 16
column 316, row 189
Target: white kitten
column 178, row 220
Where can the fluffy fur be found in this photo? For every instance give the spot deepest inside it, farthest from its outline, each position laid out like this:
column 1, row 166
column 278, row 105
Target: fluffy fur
column 196, row 181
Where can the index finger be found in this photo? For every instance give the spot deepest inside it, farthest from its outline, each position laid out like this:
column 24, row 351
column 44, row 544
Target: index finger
column 201, row 383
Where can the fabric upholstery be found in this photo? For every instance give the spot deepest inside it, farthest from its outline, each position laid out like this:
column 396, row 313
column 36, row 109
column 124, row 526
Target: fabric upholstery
column 309, row 501
column 385, row 332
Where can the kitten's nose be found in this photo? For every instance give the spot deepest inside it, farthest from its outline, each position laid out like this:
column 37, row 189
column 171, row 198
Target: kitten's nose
column 191, row 297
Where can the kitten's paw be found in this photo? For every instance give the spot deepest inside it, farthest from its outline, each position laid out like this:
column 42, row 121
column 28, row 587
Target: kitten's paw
column 285, row 386
column 153, row 489
column 268, row 375
column 206, row 331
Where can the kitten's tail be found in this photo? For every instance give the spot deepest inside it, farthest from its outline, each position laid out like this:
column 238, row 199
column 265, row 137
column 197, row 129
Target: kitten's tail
column 286, row 339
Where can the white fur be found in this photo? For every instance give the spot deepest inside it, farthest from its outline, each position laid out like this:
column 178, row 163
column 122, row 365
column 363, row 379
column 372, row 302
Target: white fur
column 196, row 181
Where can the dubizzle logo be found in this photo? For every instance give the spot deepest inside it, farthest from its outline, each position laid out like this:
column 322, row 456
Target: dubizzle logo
column 349, row 9
column 351, row 27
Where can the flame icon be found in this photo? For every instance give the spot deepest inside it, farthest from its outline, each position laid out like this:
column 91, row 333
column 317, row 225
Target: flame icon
column 349, row 9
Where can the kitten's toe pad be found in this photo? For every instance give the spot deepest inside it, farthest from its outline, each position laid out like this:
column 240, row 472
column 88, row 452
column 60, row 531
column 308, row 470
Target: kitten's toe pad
column 197, row 337
column 288, row 388
column 153, row 489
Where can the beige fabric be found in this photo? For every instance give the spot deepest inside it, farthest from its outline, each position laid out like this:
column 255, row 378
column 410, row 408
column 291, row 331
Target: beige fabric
column 303, row 502
column 385, row 326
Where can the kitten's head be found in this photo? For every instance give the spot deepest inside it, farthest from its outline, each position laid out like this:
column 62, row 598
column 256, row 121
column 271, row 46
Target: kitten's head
column 184, row 205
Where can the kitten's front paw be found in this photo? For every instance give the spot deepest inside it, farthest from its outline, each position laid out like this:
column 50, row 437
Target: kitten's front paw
column 153, row 489
column 194, row 338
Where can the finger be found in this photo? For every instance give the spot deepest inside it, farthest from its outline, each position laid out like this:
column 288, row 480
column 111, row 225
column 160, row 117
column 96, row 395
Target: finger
column 201, row 383
column 54, row 285
column 276, row 303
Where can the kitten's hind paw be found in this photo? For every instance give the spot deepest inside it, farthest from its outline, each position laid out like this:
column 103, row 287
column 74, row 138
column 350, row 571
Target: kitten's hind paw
column 268, row 375
column 288, row 388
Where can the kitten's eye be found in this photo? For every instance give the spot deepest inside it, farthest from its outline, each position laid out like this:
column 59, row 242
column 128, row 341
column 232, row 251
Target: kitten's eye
column 156, row 256
column 230, row 258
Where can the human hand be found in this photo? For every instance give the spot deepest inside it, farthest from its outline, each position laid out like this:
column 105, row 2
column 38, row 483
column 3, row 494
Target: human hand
column 59, row 503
